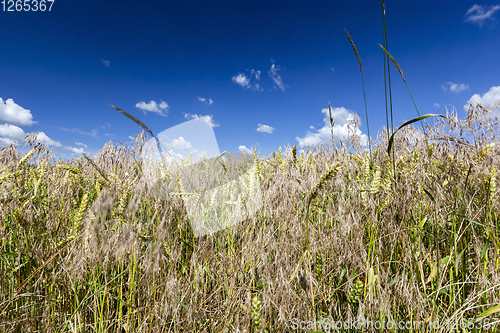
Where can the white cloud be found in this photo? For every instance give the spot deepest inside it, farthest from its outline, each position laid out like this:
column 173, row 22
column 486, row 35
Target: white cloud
column 246, row 81
column 242, row 80
column 244, row 149
column 437, row 105
column 161, row 109
column 203, row 99
column 208, row 119
column 12, row 132
column 171, row 155
column 265, row 128
column 490, row 100
column 81, row 144
column 78, row 151
column 478, row 14
column 43, row 138
column 273, row 73
column 343, row 128
column 106, row 62
column 180, row 144
column 11, row 113
column 5, row 142
column 455, row 87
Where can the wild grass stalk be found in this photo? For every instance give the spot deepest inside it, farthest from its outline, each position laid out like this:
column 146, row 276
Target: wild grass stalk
column 364, row 94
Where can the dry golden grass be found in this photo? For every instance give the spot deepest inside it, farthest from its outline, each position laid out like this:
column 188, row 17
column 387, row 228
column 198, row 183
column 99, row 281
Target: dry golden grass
column 418, row 242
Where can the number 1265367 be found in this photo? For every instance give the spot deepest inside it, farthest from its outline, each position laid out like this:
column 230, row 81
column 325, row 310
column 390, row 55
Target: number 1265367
column 27, row 5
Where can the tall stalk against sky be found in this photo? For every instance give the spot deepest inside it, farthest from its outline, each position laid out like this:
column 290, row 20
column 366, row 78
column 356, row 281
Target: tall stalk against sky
column 364, row 94
column 387, row 79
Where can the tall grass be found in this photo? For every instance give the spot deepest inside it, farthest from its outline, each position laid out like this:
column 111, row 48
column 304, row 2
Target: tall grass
column 407, row 232
column 80, row 253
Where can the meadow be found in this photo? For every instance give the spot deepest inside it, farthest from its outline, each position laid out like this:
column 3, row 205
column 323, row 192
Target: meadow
column 89, row 246
column 405, row 229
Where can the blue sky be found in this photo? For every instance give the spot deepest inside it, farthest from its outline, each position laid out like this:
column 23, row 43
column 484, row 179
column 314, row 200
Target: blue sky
column 260, row 72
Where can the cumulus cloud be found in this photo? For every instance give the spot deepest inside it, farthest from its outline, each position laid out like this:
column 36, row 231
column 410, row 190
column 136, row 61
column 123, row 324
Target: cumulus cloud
column 490, row 100
column 11, row 113
column 78, row 151
column 479, row 15
column 203, row 99
column 208, row 119
column 106, row 62
column 245, row 150
column 455, row 87
column 43, row 138
column 264, row 128
column 161, row 109
column 242, row 80
column 10, row 133
column 81, row 144
column 437, row 105
column 278, row 81
column 180, row 144
column 248, row 82
column 344, row 127
column 5, row 142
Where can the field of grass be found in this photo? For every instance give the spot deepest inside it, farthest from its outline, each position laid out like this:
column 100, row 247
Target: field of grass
column 407, row 231
column 90, row 246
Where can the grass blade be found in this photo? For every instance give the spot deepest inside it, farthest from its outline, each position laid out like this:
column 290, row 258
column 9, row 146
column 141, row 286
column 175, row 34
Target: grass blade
column 409, row 122
column 364, row 94
column 134, row 119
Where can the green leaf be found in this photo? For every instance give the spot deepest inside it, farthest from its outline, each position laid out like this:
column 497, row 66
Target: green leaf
column 409, row 122
column 183, row 305
column 471, row 220
column 445, row 261
column 429, row 195
column 489, row 312
column 457, row 259
column 485, row 249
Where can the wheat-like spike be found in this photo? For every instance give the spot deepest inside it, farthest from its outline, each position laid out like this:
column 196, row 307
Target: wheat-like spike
column 319, row 265
column 376, row 180
column 330, row 113
column 27, row 156
column 355, row 52
column 366, row 163
column 355, row 292
column 493, row 182
column 431, row 150
column 257, row 165
column 123, row 201
column 42, row 169
column 70, row 168
column 294, row 154
column 321, row 183
column 97, row 187
column 394, row 62
column 81, row 211
column 96, row 167
column 256, row 305
column 134, row 119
